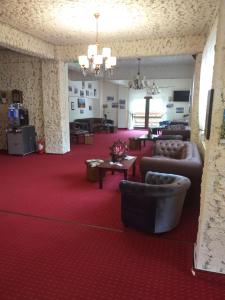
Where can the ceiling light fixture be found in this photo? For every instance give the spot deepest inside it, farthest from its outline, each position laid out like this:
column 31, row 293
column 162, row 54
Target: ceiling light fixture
column 94, row 61
column 140, row 83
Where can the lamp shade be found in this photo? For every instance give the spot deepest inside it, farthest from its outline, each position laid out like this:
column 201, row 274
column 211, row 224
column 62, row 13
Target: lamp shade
column 106, row 52
column 98, row 60
column 83, row 61
column 112, row 61
column 92, row 50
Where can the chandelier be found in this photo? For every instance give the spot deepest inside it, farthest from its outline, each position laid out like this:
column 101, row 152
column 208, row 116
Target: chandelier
column 93, row 61
column 140, row 83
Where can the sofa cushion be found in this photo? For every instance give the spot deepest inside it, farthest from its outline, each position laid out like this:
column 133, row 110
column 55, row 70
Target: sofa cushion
column 172, row 149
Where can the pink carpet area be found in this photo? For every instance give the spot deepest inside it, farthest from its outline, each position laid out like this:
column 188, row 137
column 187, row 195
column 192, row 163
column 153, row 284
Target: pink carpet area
column 55, row 186
column 62, row 237
column 44, row 260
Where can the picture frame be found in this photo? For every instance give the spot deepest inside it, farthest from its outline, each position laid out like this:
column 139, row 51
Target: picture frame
column 95, row 92
column 114, row 105
column 72, row 106
column 122, row 101
column 70, row 89
column 81, row 103
column 89, row 85
column 110, row 98
column 169, row 105
column 81, row 111
column 81, row 93
column 75, row 91
column 179, row 110
column 208, row 118
column 90, row 107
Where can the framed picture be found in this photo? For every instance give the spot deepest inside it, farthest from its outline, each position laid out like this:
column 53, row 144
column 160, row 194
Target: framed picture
column 95, row 93
column 81, row 111
column 169, row 105
column 110, row 98
column 179, row 110
column 208, row 118
column 75, row 91
column 81, row 93
column 122, row 101
column 83, row 84
column 72, row 105
column 70, row 89
column 81, row 102
column 114, row 105
column 90, row 107
column 89, row 85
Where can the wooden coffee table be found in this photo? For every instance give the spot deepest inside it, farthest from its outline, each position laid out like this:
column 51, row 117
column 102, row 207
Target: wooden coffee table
column 124, row 166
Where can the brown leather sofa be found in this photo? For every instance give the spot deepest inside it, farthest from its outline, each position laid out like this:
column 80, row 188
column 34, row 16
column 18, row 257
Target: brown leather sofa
column 175, row 157
column 94, row 124
column 177, row 129
column 156, row 205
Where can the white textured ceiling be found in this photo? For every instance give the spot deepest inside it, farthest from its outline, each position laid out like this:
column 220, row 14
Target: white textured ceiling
column 65, row 22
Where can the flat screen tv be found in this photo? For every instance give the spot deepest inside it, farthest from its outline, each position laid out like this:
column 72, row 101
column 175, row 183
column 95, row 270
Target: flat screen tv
column 181, row 96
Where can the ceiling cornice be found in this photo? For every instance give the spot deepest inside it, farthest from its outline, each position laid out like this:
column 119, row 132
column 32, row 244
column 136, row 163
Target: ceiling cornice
column 22, row 42
column 167, row 46
column 25, row 43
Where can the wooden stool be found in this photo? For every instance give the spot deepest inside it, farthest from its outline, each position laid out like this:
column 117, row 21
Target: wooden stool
column 88, row 138
column 92, row 172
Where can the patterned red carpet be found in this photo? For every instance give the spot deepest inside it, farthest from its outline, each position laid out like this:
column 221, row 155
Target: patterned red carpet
column 61, row 236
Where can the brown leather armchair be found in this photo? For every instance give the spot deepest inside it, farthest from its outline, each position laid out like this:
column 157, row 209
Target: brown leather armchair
column 175, row 157
column 156, row 205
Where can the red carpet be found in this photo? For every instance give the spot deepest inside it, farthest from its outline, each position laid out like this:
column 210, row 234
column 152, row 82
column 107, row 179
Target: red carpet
column 61, row 236
column 49, row 260
column 55, row 186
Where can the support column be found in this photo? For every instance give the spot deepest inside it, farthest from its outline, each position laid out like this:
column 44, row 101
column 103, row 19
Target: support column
column 55, row 106
column 210, row 247
column 195, row 100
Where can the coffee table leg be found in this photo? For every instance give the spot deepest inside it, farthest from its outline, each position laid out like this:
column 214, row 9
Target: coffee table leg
column 100, row 178
column 134, row 168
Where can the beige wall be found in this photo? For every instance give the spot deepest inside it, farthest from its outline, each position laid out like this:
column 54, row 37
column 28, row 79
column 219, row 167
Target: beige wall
column 24, row 73
column 210, row 247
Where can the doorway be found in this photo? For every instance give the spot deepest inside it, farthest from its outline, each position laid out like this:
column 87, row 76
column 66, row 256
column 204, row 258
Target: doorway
column 146, row 112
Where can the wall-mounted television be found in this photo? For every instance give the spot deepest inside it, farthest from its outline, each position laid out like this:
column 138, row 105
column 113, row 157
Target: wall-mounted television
column 181, row 96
